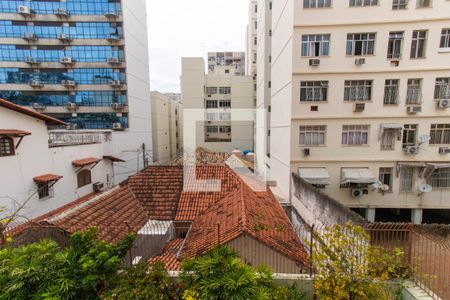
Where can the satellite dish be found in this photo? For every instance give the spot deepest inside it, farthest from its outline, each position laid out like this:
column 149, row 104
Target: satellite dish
column 377, row 185
column 424, row 139
column 385, row 188
column 425, row 188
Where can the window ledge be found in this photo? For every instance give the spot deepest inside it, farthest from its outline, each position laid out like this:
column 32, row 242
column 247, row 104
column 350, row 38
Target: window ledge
column 444, row 50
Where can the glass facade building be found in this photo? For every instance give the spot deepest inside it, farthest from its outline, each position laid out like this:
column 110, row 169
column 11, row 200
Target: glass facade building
column 77, row 41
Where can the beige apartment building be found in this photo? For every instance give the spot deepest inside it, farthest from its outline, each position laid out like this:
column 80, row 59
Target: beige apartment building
column 359, row 102
column 235, row 61
column 167, row 120
column 218, row 104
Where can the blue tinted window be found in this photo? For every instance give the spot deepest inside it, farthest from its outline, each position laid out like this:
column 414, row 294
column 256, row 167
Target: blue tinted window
column 74, row 7
column 94, row 121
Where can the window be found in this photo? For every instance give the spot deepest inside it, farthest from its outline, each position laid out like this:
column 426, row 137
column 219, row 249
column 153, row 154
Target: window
column 358, row 90
column 270, row 5
column 385, row 176
column 255, row 41
column 363, row 2
column 406, row 179
column 45, row 190
column 225, row 103
column 355, row 135
column 312, row 135
column 211, row 90
column 225, row 129
column 84, row 178
column 419, row 38
column 440, row 178
column 442, row 88
column 256, row 24
column 440, row 134
column 414, row 92
column 409, row 135
column 212, row 129
column 391, row 91
column 313, row 91
column 445, row 38
column 211, row 104
column 423, row 3
column 225, row 90
column 256, row 8
column 360, row 44
column 314, row 45
column 395, row 44
column 6, row 146
column 316, row 3
column 399, row 4
column 388, row 140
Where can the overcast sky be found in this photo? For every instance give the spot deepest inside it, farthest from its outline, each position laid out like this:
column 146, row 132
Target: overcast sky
column 179, row 28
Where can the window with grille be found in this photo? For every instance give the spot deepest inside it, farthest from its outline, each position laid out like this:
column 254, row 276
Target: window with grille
column 440, row 178
column 409, row 135
column 414, row 92
column 442, row 88
column 399, row 4
column 440, row 134
column 6, row 146
column 313, row 91
column 388, row 140
column 395, row 44
column 354, row 135
column 360, row 44
column 225, row 90
column 418, row 43
column 212, row 129
column 385, row 176
column 445, row 38
column 211, row 90
column 225, row 129
column 224, row 103
column 45, row 190
column 363, row 2
column 312, row 135
column 316, row 3
column 211, row 103
column 406, row 179
column 314, row 45
column 358, row 90
column 84, row 177
column 391, row 91
column 423, row 3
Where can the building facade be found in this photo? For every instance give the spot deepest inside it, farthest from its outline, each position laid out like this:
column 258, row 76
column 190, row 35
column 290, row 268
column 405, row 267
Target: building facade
column 215, row 103
column 166, row 126
column 82, row 62
column 359, row 103
column 235, row 61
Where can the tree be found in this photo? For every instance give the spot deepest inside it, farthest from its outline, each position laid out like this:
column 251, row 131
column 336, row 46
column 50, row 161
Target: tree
column 45, row 271
column 347, row 267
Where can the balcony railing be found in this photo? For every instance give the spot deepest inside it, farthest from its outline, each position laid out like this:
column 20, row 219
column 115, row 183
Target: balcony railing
column 64, row 139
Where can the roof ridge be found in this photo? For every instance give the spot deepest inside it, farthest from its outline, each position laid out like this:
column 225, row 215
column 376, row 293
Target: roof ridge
column 244, row 221
column 138, row 201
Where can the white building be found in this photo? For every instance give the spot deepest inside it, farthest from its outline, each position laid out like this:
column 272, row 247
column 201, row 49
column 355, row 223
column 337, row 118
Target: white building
column 166, row 126
column 359, row 92
column 42, row 170
column 214, row 102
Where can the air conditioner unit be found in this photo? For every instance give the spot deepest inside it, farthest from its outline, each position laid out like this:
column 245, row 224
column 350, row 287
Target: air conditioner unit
column 445, row 103
column 113, row 38
column 358, row 192
column 72, row 106
column 38, row 106
column 117, row 106
column 62, row 13
column 72, row 127
column 66, row 60
column 360, row 61
column 36, row 83
column 414, row 109
column 30, row 37
column 444, row 150
column 395, row 63
column 114, row 61
column 32, row 61
column 412, row 150
column 98, row 186
column 112, row 14
column 359, row 107
column 68, row 83
column 115, row 83
column 314, row 62
column 117, row 126
column 24, row 10
column 306, row 152
column 64, row 37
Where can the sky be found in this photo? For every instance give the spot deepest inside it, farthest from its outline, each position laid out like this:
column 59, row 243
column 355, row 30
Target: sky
column 181, row 28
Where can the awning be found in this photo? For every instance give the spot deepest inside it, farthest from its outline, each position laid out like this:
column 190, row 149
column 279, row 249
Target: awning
column 389, row 126
column 357, row 175
column 409, row 164
column 431, row 167
column 113, row 158
column 85, row 162
column 13, row 133
column 318, row 176
column 47, row 178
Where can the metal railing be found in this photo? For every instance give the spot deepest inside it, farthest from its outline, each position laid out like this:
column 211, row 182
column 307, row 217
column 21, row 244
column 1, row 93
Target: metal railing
column 63, row 139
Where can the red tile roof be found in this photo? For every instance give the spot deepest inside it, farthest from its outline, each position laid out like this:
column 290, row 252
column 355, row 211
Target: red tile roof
column 158, row 189
column 20, row 109
column 113, row 158
column 14, row 132
column 85, row 161
column 244, row 212
column 47, row 178
column 194, row 199
column 169, row 256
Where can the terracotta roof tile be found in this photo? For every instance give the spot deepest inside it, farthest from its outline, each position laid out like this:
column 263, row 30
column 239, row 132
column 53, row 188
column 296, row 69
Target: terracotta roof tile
column 85, row 161
column 24, row 110
column 169, row 256
column 14, row 132
column 113, row 158
column 47, row 178
column 202, row 156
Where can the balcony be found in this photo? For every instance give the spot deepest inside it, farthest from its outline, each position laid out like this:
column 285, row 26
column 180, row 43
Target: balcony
column 68, row 138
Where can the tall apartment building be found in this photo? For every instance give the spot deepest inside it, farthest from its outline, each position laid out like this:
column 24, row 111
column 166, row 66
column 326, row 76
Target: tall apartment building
column 252, row 38
column 234, row 60
column 360, row 103
column 83, row 62
column 166, row 126
column 215, row 103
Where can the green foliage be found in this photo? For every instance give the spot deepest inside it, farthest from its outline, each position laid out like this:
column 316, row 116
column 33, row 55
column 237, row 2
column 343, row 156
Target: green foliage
column 45, row 271
column 349, row 268
column 143, row 282
column 220, row 275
